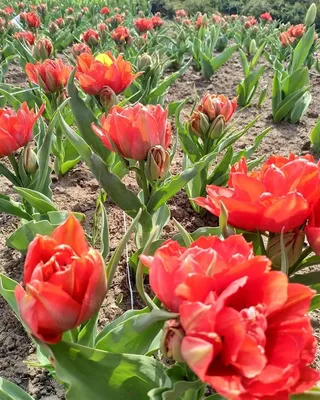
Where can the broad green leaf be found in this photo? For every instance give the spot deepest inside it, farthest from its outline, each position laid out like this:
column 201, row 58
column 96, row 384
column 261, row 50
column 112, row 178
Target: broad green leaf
column 276, row 92
column 295, row 81
column 126, row 337
column 39, row 201
column 215, row 397
column 300, row 108
column 222, row 58
column 104, row 232
column 313, row 394
column 221, row 169
column 256, row 57
column 8, row 206
column 206, row 66
column 315, row 303
column 7, row 287
column 84, row 118
column 176, row 183
column 302, row 50
column 9, row 175
column 10, row 391
column 95, row 374
column 315, row 136
column 22, row 237
column 287, row 104
column 244, row 62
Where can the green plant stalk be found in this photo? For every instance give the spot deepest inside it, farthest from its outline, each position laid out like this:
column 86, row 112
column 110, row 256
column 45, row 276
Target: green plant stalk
column 144, row 182
column 14, row 164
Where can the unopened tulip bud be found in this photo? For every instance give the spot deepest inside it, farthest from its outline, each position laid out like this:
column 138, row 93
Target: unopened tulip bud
column 42, row 49
column 108, row 98
column 225, row 229
column 217, row 127
column 205, row 20
column 53, row 28
column 293, row 243
column 171, row 340
column 144, row 62
column 199, row 124
column 311, row 15
column 29, row 159
column 255, row 29
column 158, row 162
column 252, row 48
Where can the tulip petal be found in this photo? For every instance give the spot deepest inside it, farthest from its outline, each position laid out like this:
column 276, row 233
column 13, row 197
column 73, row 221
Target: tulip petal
column 72, row 234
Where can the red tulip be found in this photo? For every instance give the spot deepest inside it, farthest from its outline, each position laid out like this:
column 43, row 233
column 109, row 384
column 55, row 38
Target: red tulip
column 286, row 39
column 105, row 70
column 121, row 35
column 297, row 30
column 42, row 49
column 143, row 25
column 266, row 17
column 313, row 229
column 79, row 48
column 65, row 282
column 214, row 105
column 201, row 21
column 51, row 75
column 157, row 22
column 278, row 196
column 181, row 13
column 32, row 20
column 29, row 37
column 8, row 10
column 60, row 22
column 245, row 329
column 70, row 10
column 134, row 130
column 105, row 11
column 16, row 128
column 91, row 37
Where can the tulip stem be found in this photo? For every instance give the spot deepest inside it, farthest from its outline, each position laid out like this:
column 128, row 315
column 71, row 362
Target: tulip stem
column 144, row 182
column 74, row 335
column 14, row 164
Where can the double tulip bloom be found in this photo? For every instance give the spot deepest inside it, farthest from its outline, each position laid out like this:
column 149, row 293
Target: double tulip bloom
column 32, row 20
column 242, row 328
column 27, row 37
column 279, row 196
column 16, row 128
column 64, row 281
column 94, row 74
column 211, row 115
column 121, row 35
column 91, row 37
column 135, row 130
column 51, row 75
column 143, row 25
column 266, row 17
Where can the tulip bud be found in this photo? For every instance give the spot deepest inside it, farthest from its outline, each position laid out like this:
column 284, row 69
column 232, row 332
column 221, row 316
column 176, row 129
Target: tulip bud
column 225, row 229
column 293, row 242
column 171, row 340
column 311, row 15
column 255, row 30
column 199, row 124
column 53, row 28
column 158, row 162
column 252, row 48
column 29, row 160
column 144, row 62
column 42, row 49
column 108, row 98
column 217, row 127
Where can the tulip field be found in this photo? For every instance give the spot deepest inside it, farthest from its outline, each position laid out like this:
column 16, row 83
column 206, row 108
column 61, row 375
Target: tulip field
column 159, row 202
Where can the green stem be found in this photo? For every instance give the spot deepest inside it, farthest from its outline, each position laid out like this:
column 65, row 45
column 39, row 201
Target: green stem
column 304, row 255
column 144, row 182
column 74, row 335
column 14, row 164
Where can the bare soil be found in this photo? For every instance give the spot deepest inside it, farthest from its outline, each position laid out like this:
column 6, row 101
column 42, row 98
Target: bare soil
column 78, row 190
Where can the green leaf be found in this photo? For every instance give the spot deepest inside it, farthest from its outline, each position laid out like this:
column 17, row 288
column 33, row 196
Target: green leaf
column 295, row 81
column 7, row 287
column 287, row 104
column 95, row 374
column 300, row 108
column 313, row 394
column 9, row 175
column 315, row 136
column 221, row 170
column 222, row 58
column 84, row 118
column 187, row 239
column 206, row 66
column 104, row 235
column 128, row 337
column 8, row 206
column 164, row 85
column 302, row 50
column 315, row 303
column 256, row 57
column 276, row 92
column 10, row 391
column 39, row 201
column 22, row 237
column 176, row 183
column 215, row 397
column 244, row 62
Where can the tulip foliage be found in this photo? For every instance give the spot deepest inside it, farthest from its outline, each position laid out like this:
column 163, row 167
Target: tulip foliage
column 225, row 309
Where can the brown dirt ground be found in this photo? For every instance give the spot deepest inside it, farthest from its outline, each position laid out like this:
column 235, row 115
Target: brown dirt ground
column 78, row 190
